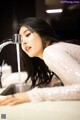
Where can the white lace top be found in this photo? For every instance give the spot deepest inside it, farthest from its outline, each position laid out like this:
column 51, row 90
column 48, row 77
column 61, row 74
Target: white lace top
column 64, row 60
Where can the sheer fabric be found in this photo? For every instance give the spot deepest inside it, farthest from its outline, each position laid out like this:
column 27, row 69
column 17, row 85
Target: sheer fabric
column 64, row 60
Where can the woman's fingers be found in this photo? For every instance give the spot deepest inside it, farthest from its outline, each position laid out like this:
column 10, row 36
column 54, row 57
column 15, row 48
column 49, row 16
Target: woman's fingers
column 3, row 98
column 14, row 99
column 15, row 102
column 7, row 100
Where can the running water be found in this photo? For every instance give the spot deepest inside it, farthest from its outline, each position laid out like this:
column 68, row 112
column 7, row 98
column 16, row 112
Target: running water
column 18, row 65
column 17, row 40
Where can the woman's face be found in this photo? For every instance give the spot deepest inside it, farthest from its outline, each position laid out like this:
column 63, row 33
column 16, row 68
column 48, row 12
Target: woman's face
column 31, row 42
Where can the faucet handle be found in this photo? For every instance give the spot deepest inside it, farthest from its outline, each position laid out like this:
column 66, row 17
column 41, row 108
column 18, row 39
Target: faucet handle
column 16, row 38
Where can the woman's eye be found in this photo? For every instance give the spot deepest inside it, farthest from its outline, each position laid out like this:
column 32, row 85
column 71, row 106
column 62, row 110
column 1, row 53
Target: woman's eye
column 28, row 34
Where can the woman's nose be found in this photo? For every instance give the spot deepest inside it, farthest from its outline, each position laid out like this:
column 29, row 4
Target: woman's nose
column 24, row 41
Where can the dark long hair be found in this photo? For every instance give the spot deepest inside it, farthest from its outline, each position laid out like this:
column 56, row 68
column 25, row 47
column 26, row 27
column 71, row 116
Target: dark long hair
column 36, row 68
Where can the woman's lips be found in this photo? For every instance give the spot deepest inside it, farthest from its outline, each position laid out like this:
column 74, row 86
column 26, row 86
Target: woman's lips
column 28, row 48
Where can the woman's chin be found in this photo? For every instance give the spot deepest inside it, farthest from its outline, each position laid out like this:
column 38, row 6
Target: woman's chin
column 30, row 55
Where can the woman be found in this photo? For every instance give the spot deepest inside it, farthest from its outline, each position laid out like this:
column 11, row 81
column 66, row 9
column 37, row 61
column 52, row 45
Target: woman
column 50, row 62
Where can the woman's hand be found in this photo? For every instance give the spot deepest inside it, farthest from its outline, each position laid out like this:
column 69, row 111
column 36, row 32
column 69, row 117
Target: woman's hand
column 14, row 99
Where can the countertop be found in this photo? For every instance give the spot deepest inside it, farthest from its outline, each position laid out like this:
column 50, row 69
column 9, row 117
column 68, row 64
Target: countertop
column 47, row 110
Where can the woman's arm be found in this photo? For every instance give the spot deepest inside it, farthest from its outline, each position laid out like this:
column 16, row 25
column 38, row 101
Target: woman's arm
column 62, row 62
column 71, row 92
column 66, row 67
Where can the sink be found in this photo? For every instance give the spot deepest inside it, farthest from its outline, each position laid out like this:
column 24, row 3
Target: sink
column 16, row 88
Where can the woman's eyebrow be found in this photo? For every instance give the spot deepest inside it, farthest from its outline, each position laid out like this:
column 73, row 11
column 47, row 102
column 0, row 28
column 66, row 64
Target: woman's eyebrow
column 26, row 30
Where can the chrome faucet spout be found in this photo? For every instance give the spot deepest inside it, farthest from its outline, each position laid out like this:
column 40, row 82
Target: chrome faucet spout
column 15, row 39
column 4, row 44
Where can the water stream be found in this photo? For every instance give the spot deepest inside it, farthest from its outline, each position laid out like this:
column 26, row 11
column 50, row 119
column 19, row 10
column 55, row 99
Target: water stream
column 18, row 65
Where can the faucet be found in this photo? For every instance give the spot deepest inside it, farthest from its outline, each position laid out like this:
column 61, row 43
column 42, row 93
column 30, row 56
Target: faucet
column 16, row 39
column 0, row 77
column 1, row 74
column 4, row 44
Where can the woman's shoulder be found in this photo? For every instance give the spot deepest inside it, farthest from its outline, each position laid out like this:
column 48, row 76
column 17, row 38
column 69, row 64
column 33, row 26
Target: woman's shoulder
column 54, row 50
column 61, row 46
column 55, row 46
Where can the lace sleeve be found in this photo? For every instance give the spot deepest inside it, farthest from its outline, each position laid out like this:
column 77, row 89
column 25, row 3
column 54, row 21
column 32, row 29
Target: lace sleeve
column 71, row 92
column 64, row 61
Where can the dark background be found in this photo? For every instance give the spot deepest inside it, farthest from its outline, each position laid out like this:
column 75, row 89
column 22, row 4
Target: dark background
column 11, row 13
column 67, row 25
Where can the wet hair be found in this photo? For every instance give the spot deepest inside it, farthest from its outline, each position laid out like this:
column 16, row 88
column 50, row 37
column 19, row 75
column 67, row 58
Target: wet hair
column 37, row 70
